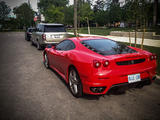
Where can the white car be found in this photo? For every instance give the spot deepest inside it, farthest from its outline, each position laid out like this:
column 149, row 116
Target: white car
column 48, row 33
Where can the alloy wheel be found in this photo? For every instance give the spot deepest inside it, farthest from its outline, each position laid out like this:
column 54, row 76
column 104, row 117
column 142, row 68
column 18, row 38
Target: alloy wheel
column 46, row 61
column 75, row 84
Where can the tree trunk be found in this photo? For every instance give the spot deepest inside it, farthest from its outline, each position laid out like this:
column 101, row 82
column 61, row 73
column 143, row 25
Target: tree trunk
column 75, row 17
column 155, row 6
column 130, row 39
column 136, row 31
column 143, row 38
column 88, row 26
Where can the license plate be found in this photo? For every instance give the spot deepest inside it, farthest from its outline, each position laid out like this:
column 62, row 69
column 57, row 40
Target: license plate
column 134, row 78
column 56, row 36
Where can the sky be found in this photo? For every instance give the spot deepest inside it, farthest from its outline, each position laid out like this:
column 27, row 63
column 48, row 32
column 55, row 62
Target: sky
column 14, row 3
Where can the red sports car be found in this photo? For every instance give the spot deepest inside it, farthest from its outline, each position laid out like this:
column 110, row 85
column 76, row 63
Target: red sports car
column 95, row 65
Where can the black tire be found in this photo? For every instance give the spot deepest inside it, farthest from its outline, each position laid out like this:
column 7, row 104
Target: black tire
column 32, row 43
column 46, row 61
column 28, row 39
column 74, row 83
column 39, row 47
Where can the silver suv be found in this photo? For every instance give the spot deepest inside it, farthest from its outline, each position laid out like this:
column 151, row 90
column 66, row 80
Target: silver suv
column 47, row 33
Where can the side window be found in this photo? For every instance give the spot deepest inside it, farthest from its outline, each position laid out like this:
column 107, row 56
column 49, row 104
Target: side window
column 41, row 28
column 65, row 45
column 70, row 45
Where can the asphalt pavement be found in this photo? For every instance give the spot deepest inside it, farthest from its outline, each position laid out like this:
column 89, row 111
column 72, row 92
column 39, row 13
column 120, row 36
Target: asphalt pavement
column 29, row 91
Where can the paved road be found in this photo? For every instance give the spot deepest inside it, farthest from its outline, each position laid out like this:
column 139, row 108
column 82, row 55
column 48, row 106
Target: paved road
column 29, row 91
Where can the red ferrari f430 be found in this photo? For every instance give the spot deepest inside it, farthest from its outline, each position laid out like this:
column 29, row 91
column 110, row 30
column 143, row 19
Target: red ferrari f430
column 95, row 65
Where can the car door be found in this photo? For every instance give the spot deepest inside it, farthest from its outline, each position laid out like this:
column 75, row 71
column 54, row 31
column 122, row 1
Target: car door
column 55, row 54
column 64, row 56
column 61, row 55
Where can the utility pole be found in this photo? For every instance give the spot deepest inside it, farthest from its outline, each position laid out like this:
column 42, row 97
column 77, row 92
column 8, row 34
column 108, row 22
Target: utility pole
column 75, row 17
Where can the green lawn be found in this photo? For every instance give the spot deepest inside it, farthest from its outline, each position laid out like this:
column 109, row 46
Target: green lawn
column 71, row 36
column 99, row 31
column 106, row 31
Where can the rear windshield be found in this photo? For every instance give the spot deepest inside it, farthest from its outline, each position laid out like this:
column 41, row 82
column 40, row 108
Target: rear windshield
column 107, row 47
column 50, row 28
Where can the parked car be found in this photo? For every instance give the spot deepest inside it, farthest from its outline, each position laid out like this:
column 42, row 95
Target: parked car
column 28, row 33
column 96, row 65
column 47, row 33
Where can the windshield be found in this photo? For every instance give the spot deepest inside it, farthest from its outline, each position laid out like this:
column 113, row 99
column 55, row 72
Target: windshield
column 107, row 47
column 50, row 28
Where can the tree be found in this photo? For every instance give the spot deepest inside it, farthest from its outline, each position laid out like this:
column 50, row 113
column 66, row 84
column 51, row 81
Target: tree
column 4, row 11
column 54, row 14
column 85, row 12
column 24, row 15
column 99, row 13
column 138, row 9
column 115, row 13
column 99, row 6
column 75, row 17
column 44, row 4
column 68, row 15
column 155, row 12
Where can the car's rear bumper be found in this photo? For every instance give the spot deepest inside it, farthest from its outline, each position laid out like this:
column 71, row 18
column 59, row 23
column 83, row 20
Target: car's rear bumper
column 146, row 81
column 49, row 43
column 115, row 82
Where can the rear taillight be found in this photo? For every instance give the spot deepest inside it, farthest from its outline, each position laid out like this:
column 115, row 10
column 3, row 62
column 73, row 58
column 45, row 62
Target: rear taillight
column 43, row 36
column 97, row 63
column 153, row 57
column 105, row 63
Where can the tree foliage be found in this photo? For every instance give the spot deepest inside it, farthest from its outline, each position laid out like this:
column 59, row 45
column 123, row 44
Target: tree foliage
column 54, row 14
column 115, row 13
column 45, row 4
column 140, row 10
column 100, row 12
column 4, row 10
column 68, row 15
column 85, row 12
column 53, row 10
column 24, row 15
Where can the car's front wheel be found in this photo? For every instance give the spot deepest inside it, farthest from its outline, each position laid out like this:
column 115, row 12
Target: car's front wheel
column 46, row 62
column 32, row 43
column 75, row 84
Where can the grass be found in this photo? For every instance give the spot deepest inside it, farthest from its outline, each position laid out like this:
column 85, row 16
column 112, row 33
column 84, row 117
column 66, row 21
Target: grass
column 71, row 36
column 106, row 31
column 99, row 31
